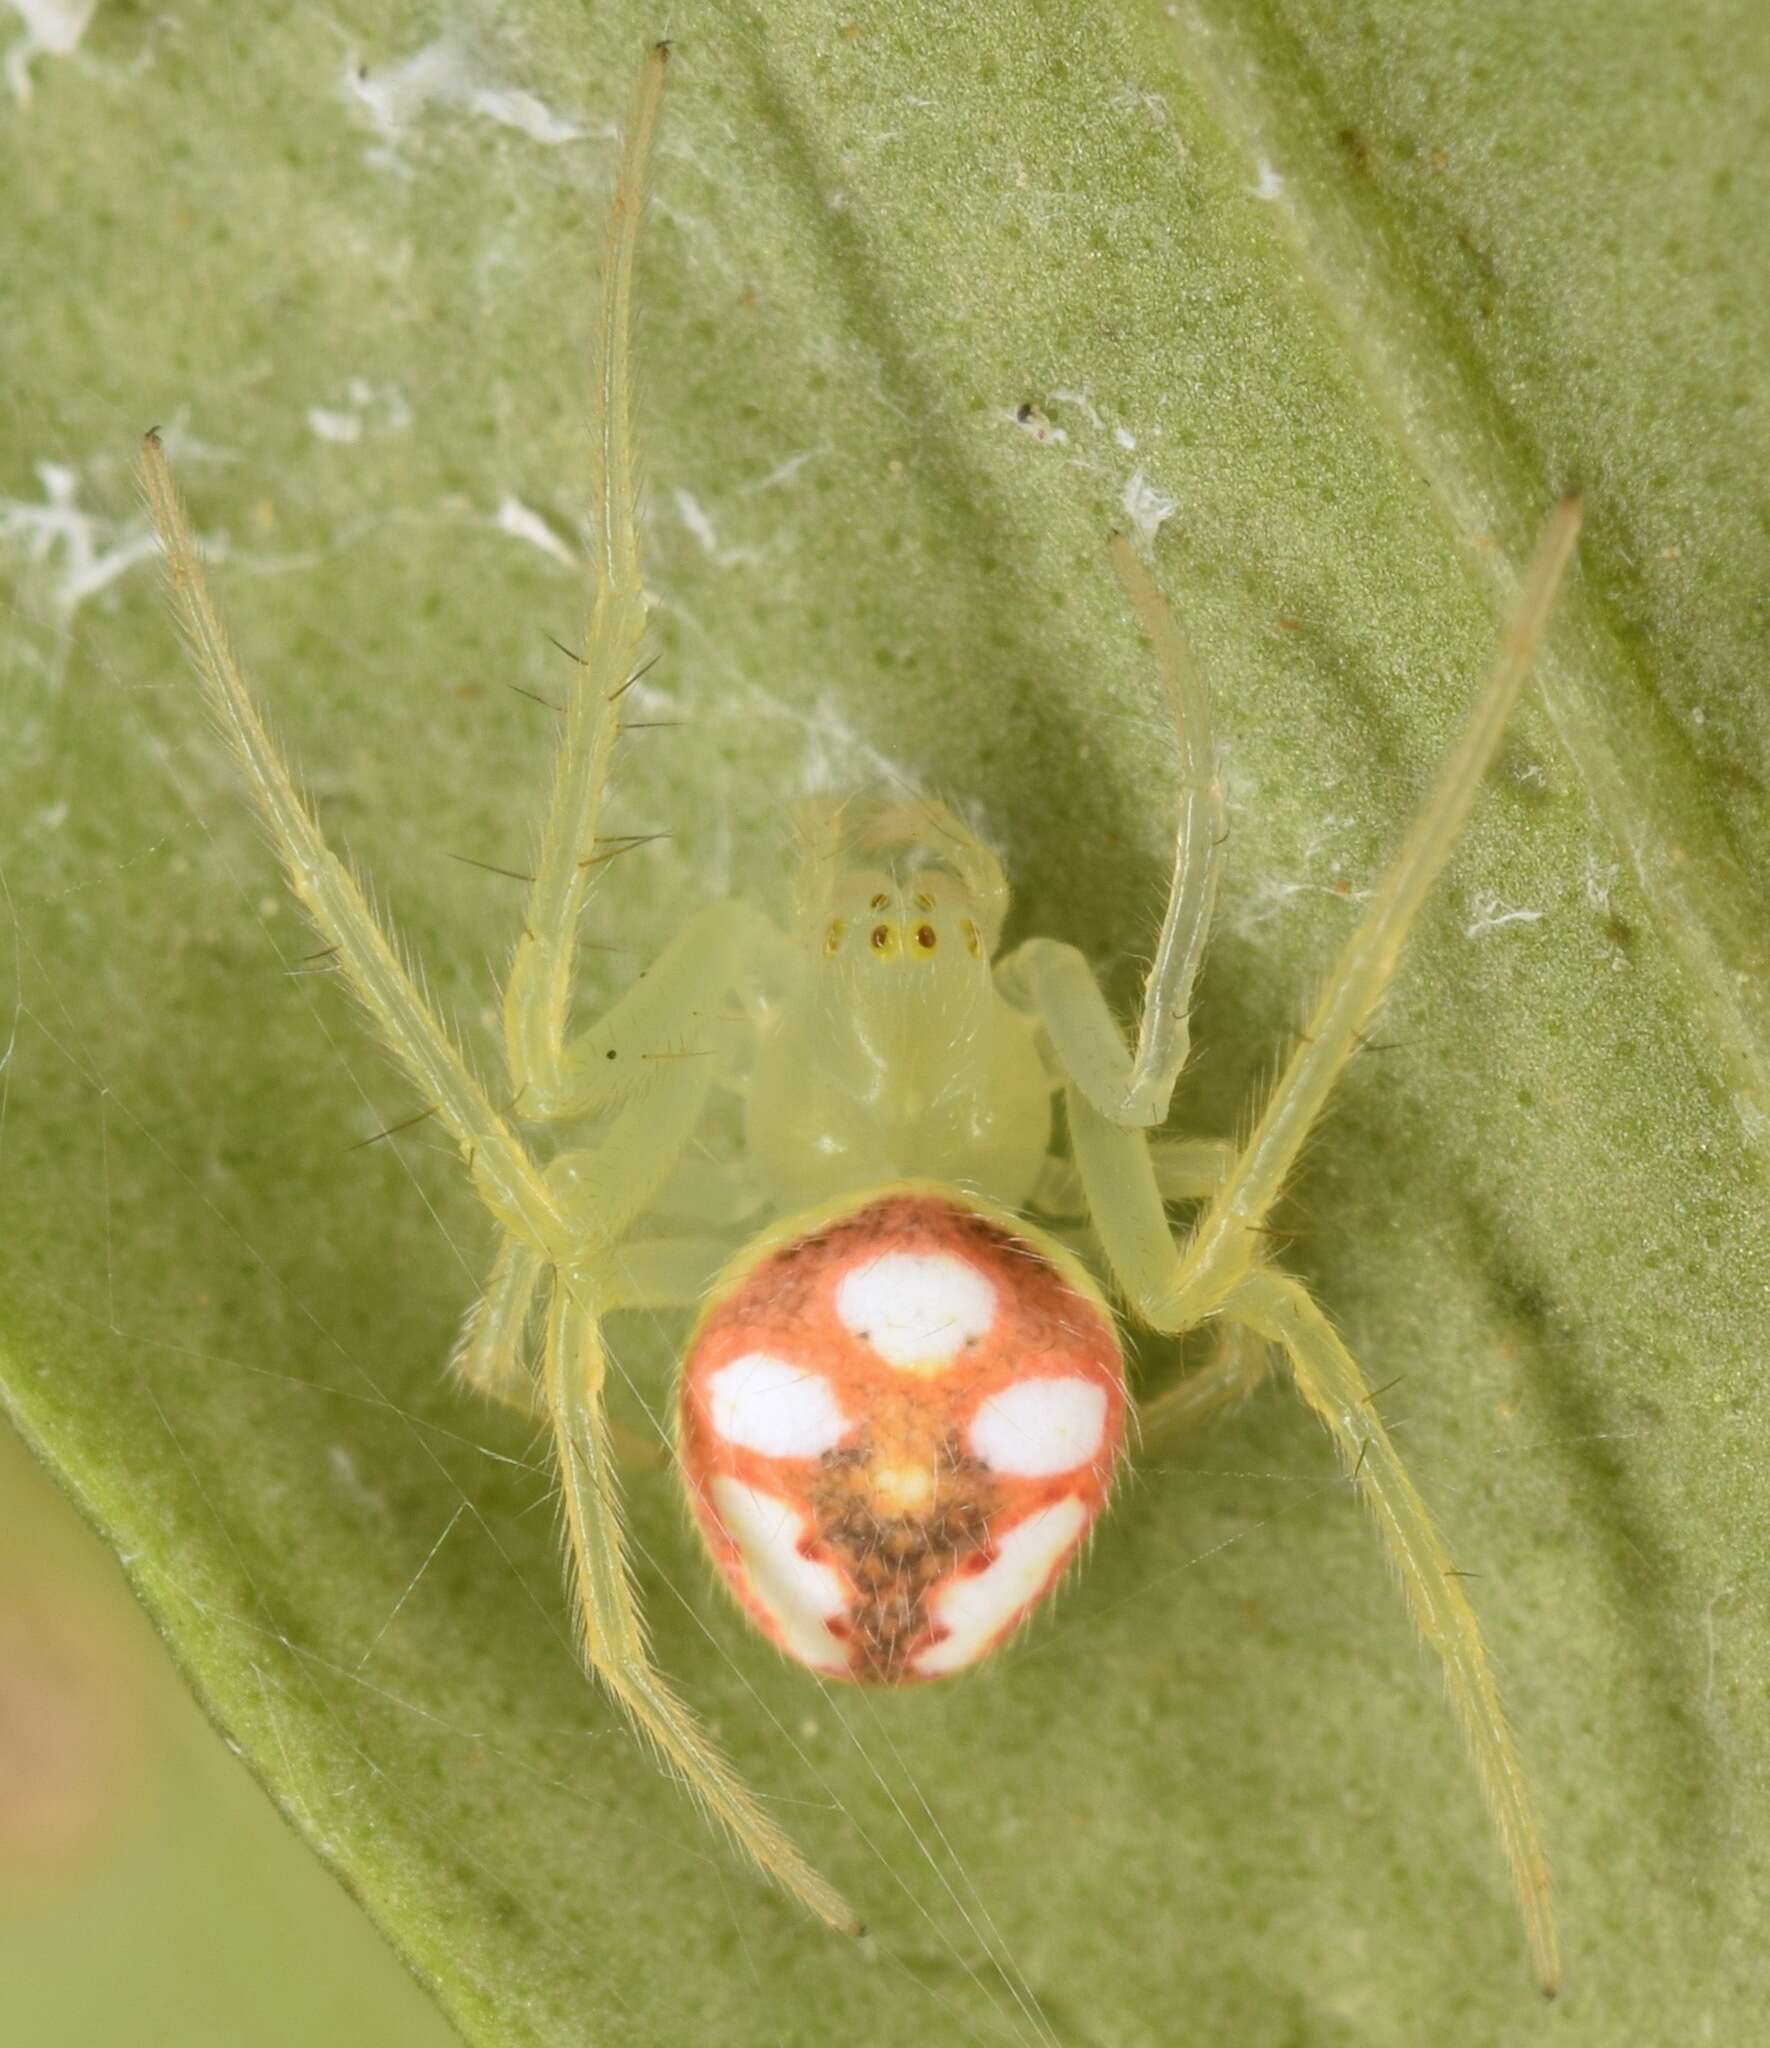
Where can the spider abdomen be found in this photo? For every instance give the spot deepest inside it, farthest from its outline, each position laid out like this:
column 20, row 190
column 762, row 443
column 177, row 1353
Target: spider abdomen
column 899, row 1419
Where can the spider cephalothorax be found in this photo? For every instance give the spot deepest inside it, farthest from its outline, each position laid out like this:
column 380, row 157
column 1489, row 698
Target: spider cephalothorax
column 893, row 1053
column 903, row 1405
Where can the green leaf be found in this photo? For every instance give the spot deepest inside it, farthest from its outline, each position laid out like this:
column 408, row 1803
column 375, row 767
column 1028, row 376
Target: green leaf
column 1359, row 289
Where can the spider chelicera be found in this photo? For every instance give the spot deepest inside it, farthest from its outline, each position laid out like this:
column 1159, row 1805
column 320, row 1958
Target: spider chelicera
column 903, row 1404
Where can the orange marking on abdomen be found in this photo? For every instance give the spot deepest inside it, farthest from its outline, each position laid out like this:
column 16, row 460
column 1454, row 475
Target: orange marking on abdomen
column 866, row 1317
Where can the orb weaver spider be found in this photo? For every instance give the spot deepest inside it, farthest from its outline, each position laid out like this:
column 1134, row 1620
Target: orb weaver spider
column 903, row 1405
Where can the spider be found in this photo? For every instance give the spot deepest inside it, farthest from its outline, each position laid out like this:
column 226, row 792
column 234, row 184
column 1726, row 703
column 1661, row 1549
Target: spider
column 903, row 1404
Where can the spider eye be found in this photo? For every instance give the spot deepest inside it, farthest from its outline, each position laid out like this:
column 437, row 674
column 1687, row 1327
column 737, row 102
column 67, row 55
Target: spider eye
column 972, row 944
column 926, row 938
column 924, row 902
column 879, row 902
column 884, row 939
column 833, row 937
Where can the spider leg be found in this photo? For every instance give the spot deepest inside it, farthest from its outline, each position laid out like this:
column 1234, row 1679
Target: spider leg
column 491, row 1355
column 639, row 1063
column 1281, row 1309
column 660, row 1272
column 502, row 1170
column 1226, row 1243
column 721, row 945
column 543, row 1213
column 1186, row 1170
column 1237, row 1367
column 706, row 1193
column 1174, row 1292
column 1136, row 1088
column 1220, row 1268
column 571, row 858
column 603, row 1189
column 524, row 1199
column 613, row 1640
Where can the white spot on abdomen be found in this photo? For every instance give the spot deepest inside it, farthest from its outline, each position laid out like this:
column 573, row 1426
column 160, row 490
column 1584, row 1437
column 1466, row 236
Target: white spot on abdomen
column 1037, row 1427
column 800, row 1594
column 918, row 1310
column 975, row 1610
column 781, row 1410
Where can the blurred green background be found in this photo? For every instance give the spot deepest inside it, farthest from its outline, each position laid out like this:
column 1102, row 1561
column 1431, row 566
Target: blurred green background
column 149, row 1892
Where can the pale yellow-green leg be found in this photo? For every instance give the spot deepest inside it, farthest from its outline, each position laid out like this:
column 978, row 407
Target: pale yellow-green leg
column 660, row 1272
column 543, row 976
column 614, row 1644
column 1227, row 1243
column 601, row 1190
column 1128, row 1215
column 492, row 1355
column 1183, row 1170
column 523, row 1199
column 516, row 1192
column 666, row 1052
column 704, row 1193
column 1237, row 1367
column 605, row 1189
column 1126, row 1204
column 503, row 1172
column 677, row 1009
column 1186, row 1170
column 1220, row 1267
column 1136, row 1088
column 1175, row 1292
column 1280, row 1309
column 664, row 1038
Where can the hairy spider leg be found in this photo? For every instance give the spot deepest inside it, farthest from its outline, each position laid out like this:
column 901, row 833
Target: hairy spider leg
column 1281, row 1309
column 542, row 1211
column 1227, row 1238
column 642, row 1062
column 1220, row 1270
column 491, row 1356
